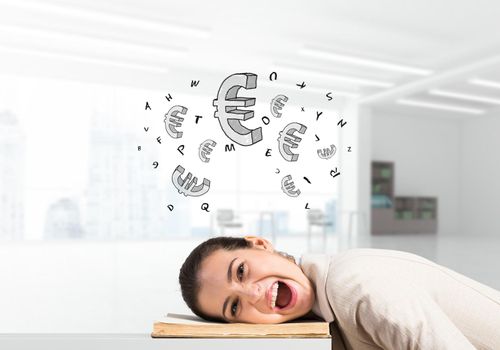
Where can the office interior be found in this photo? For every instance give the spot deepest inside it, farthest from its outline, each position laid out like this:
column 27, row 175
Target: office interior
column 88, row 243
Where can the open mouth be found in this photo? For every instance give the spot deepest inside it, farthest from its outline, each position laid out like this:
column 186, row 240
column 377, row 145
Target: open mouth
column 282, row 296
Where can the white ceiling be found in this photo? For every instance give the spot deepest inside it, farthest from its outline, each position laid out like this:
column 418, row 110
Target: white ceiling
column 153, row 43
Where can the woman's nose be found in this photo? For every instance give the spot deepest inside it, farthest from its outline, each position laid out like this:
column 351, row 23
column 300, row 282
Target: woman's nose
column 252, row 292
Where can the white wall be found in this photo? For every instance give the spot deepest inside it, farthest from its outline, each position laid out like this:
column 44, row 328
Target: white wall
column 480, row 180
column 426, row 156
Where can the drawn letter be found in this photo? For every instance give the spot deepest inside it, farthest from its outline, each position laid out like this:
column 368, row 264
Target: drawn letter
column 180, row 149
column 318, row 114
column 334, row 173
column 229, row 148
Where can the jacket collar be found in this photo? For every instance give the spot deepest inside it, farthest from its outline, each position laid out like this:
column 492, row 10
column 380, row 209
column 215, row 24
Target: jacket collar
column 316, row 267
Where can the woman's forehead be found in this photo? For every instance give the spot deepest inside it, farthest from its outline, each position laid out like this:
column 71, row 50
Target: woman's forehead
column 213, row 274
column 221, row 255
column 221, row 258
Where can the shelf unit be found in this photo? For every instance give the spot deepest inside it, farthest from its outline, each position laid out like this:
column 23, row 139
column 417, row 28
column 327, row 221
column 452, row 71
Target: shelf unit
column 382, row 178
column 399, row 214
column 382, row 189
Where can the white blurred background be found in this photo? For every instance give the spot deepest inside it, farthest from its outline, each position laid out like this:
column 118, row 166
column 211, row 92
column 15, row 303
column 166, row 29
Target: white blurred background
column 87, row 243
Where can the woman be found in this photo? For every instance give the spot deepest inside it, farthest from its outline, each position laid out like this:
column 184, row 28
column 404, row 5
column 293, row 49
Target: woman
column 379, row 298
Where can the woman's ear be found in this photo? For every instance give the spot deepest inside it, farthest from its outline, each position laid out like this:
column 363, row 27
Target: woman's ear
column 260, row 243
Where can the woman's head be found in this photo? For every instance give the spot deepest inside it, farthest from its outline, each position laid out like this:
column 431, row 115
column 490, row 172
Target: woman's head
column 234, row 279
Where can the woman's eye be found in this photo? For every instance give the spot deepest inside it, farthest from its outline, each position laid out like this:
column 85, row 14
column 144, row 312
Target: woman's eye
column 241, row 271
column 234, row 308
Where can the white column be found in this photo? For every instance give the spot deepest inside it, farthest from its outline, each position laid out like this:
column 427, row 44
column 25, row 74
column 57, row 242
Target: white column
column 355, row 168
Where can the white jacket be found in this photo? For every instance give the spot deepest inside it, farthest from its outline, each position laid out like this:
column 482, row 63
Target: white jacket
column 385, row 299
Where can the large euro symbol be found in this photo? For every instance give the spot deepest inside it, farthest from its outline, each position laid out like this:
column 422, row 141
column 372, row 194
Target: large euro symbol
column 227, row 111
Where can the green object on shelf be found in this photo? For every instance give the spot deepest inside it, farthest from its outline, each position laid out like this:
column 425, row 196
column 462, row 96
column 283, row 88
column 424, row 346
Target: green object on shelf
column 427, row 215
column 407, row 215
column 385, row 172
column 381, row 201
column 404, row 214
column 427, row 204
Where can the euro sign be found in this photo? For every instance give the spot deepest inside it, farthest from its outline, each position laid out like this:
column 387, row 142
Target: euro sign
column 187, row 186
column 230, row 116
column 277, row 104
column 205, row 149
column 288, row 186
column 175, row 121
column 288, row 140
column 327, row 153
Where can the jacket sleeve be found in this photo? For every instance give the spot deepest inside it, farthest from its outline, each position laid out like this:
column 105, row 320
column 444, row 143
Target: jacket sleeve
column 404, row 317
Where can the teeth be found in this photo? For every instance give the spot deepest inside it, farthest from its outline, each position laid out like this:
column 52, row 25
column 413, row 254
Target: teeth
column 274, row 294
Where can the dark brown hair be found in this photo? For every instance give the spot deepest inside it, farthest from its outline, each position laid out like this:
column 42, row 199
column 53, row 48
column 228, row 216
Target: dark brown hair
column 188, row 275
